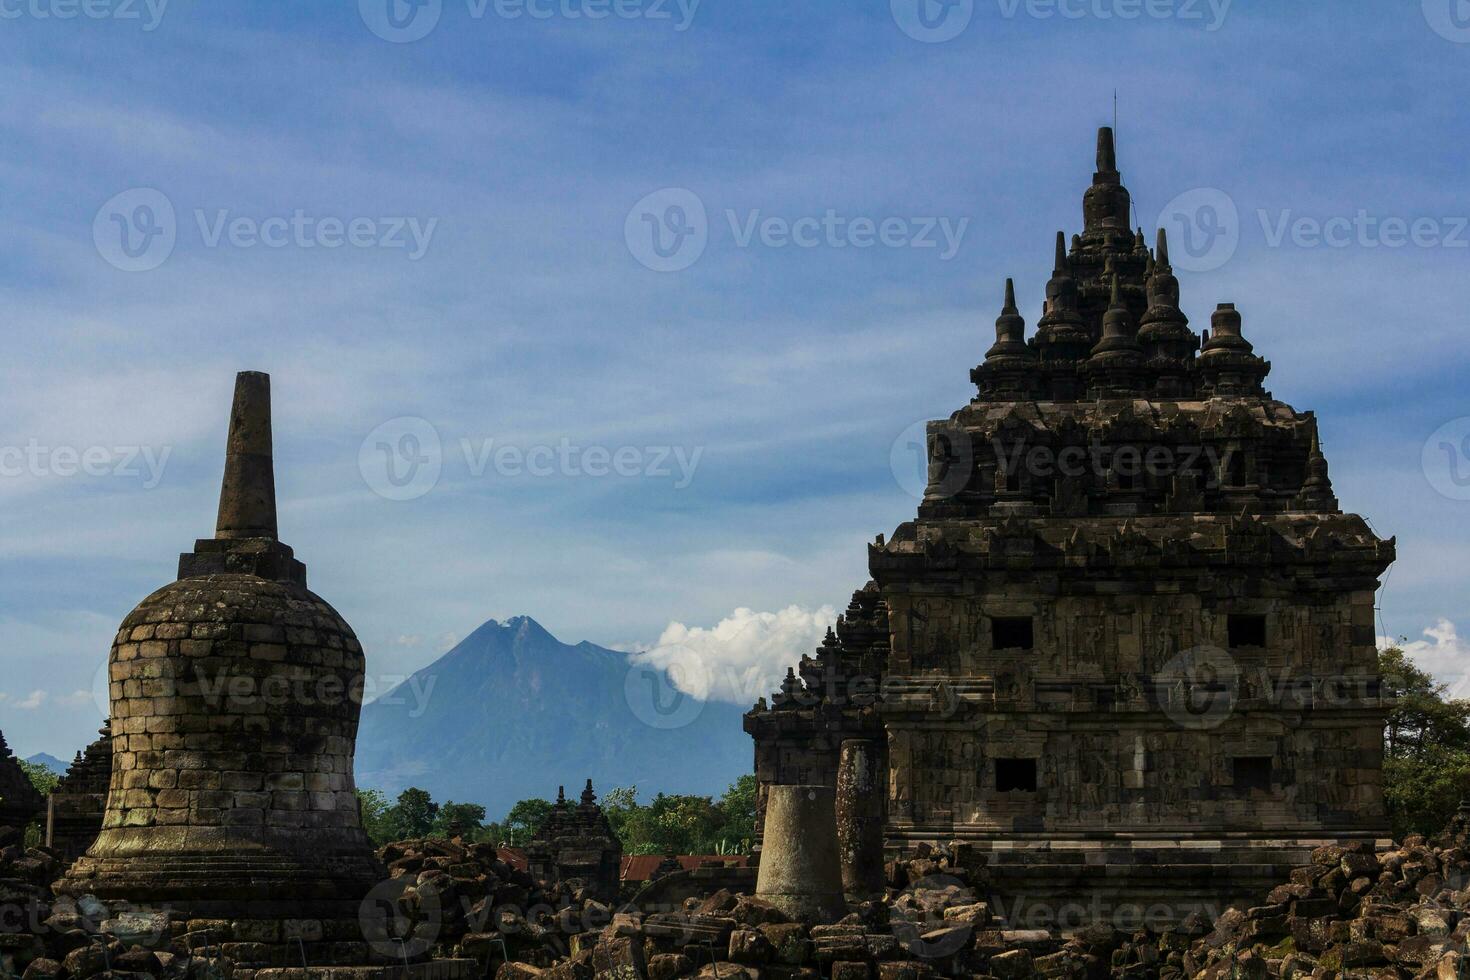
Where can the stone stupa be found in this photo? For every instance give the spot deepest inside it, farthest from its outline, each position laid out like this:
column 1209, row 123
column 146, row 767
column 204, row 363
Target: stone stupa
column 235, row 694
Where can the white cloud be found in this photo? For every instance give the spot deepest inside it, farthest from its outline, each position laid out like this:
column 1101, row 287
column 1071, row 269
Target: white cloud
column 32, row 701
column 1445, row 655
column 741, row 658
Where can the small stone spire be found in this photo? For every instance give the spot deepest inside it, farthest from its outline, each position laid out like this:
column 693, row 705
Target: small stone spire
column 1107, row 155
column 1107, row 207
column 1316, row 493
column 1009, row 369
column 245, row 540
column 1062, row 336
column 561, row 796
column 1116, row 363
column 247, row 500
column 588, row 797
column 1117, row 324
column 1227, row 365
column 1168, row 343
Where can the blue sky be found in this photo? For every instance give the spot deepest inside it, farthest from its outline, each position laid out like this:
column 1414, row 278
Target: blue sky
column 521, row 149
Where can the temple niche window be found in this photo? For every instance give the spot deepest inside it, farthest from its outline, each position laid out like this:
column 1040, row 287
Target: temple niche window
column 1015, row 775
column 1235, row 468
column 1251, row 772
column 1246, row 630
column 1012, row 633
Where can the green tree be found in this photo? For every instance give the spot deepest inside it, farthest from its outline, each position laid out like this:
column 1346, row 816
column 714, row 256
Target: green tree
column 413, row 815
column 41, row 777
column 738, row 805
column 1426, row 748
column 523, row 820
column 376, row 821
column 45, row 780
column 459, row 819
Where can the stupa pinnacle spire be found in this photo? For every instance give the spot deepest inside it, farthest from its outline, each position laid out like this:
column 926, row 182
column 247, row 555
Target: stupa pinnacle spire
column 247, row 499
column 1009, row 363
column 1107, row 154
column 246, row 540
column 1316, row 491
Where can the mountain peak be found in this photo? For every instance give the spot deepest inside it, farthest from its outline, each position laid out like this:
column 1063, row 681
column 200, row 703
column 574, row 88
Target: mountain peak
column 512, row 710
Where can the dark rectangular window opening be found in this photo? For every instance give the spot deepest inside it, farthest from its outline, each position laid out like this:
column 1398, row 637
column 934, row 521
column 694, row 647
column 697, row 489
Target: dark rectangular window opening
column 1247, row 630
column 1235, row 468
column 1011, row 633
column 1015, row 775
column 1013, row 483
column 1252, row 772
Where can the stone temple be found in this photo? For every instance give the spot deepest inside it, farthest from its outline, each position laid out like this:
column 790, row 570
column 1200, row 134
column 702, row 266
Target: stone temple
column 1126, row 647
column 235, row 694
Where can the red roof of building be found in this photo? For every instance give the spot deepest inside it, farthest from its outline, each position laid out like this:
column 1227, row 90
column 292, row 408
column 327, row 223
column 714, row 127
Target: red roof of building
column 640, row 867
column 513, row 856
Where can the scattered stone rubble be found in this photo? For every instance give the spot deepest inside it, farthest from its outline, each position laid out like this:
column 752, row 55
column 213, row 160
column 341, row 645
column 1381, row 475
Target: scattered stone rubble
column 463, row 901
column 1400, row 914
column 45, row 937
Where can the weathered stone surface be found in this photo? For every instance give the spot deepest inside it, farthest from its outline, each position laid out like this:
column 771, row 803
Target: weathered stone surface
column 236, row 668
column 1125, row 546
column 800, row 868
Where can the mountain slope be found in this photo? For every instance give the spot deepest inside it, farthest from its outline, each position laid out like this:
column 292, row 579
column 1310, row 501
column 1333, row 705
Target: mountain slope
column 512, row 712
column 49, row 761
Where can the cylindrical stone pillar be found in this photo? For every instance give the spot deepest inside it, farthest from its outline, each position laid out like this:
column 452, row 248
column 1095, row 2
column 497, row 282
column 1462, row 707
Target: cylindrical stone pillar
column 859, row 818
column 800, row 872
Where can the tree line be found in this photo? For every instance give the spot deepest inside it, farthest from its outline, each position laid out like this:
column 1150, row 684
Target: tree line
column 667, row 824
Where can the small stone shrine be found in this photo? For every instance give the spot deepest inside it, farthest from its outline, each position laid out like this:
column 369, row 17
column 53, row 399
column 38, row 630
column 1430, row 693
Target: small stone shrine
column 75, row 807
column 577, row 842
column 20, row 803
